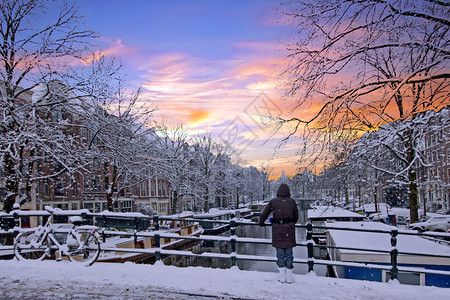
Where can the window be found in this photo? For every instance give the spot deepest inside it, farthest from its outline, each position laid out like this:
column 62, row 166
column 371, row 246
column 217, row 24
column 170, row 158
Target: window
column 86, row 187
column 59, row 187
column 159, row 188
column 162, row 207
column 74, row 187
column 89, row 206
column 164, row 188
column 61, row 206
column 84, row 132
column 46, row 190
column 153, row 188
column 74, row 206
column 57, row 115
column 95, row 179
column 144, row 189
column 96, row 164
column 126, row 206
column 138, row 189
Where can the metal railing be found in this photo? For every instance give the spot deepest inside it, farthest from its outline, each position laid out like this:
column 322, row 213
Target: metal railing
column 133, row 223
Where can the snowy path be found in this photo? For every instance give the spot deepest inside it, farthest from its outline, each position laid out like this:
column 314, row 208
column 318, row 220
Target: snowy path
column 64, row 280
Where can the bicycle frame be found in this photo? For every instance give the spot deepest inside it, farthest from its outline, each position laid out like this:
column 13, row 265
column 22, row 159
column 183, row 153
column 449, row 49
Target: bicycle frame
column 47, row 233
column 81, row 242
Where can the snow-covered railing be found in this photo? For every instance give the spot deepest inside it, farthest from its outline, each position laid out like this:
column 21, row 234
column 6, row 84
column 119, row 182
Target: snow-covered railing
column 157, row 234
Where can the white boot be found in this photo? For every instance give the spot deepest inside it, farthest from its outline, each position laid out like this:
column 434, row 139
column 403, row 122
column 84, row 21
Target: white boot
column 281, row 277
column 289, row 277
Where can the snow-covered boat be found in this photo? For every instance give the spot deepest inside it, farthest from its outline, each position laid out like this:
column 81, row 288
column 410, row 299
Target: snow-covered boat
column 174, row 228
column 215, row 214
column 245, row 213
column 321, row 215
column 257, row 207
column 417, row 248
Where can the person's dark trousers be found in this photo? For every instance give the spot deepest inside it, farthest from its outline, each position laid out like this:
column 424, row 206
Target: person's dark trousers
column 285, row 258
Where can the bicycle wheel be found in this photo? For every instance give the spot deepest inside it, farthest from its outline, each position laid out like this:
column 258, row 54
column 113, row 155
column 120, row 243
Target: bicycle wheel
column 86, row 251
column 26, row 247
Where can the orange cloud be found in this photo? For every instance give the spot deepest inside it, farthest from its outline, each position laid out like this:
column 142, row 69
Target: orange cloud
column 198, row 115
column 208, row 95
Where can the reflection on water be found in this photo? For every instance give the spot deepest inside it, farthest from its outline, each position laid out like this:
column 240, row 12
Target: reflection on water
column 252, row 249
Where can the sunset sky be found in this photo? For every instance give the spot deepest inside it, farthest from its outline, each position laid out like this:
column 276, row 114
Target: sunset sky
column 212, row 65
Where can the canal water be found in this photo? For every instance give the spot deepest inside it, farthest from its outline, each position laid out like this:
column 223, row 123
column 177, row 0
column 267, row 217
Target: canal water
column 248, row 249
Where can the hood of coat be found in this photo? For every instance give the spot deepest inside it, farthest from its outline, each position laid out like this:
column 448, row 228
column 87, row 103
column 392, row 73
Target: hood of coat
column 283, row 191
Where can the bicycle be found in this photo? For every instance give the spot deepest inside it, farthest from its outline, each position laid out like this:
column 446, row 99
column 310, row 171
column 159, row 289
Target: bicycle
column 81, row 242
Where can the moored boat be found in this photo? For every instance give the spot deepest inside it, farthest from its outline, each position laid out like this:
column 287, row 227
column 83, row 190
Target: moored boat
column 215, row 214
column 421, row 254
column 321, row 215
column 174, row 228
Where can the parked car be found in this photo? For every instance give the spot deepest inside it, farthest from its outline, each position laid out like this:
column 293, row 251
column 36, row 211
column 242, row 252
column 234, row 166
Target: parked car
column 436, row 223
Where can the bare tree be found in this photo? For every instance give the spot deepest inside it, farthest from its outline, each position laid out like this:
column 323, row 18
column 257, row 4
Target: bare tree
column 33, row 48
column 356, row 65
column 173, row 161
column 207, row 159
column 125, row 141
column 265, row 171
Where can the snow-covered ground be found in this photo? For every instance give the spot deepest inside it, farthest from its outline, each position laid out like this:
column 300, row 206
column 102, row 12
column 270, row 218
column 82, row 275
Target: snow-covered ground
column 65, row 280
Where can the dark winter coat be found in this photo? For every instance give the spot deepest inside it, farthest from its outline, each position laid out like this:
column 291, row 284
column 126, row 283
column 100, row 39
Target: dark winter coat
column 284, row 216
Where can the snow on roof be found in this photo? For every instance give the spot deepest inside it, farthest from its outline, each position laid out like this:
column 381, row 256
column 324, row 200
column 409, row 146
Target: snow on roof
column 214, row 212
column 381, row 241
column 330, row 212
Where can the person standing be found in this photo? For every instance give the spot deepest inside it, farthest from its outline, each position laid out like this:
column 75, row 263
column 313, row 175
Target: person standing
column 284, row 216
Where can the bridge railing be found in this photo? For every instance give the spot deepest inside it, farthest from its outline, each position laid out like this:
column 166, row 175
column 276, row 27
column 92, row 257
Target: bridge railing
column 136, row 230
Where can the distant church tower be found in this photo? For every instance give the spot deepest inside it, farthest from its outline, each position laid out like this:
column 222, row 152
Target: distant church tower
column 283, row 177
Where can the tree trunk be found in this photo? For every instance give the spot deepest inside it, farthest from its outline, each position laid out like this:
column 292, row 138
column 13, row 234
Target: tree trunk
column 375, row 198
column 175, row 201
column 412, row 176
column 413, row 209
column 109, row 202
column 347, row 198
column 11, row 184
column 109, row 186
column 206, row 200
